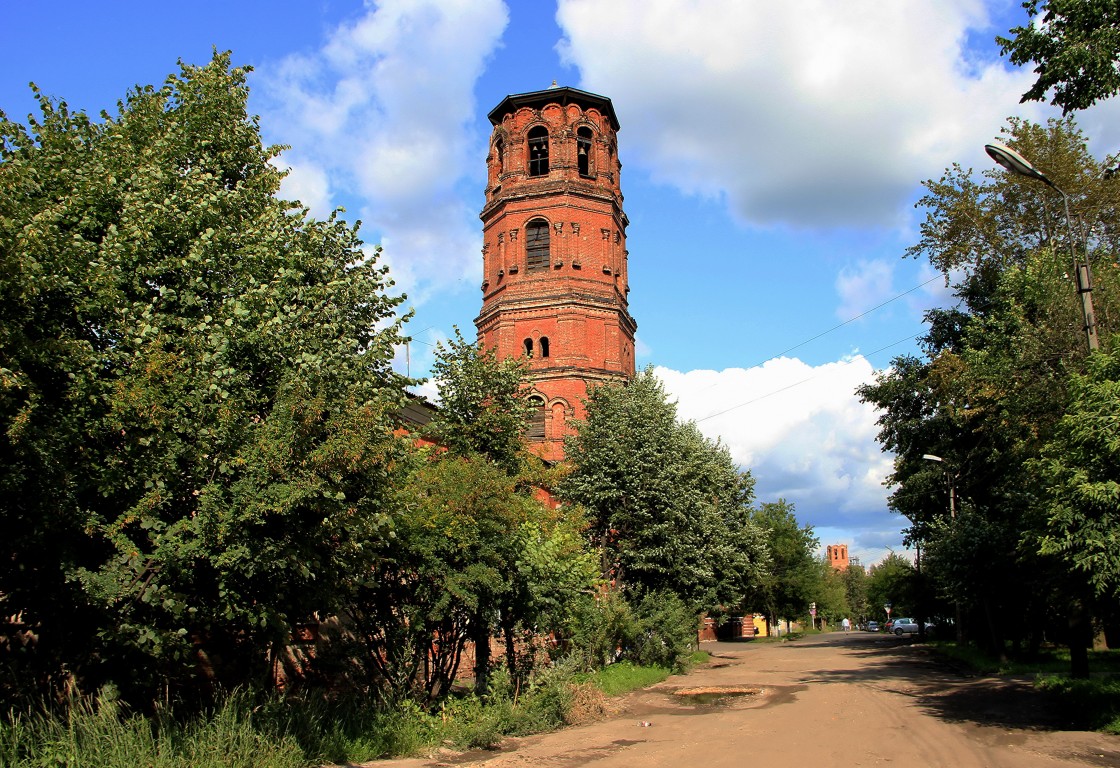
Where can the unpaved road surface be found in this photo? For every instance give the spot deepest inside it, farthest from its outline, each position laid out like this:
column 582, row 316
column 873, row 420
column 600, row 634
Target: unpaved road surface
column 841, row 699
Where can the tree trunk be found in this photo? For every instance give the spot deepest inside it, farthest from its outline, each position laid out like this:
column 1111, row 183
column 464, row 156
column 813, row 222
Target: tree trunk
column 993, row 636
column 1080, row 632
column 511, row 653
column 480, row 634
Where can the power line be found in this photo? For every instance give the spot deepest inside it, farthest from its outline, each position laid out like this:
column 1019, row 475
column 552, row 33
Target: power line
column 857, row 317
column 803, row 381
column 836, row 327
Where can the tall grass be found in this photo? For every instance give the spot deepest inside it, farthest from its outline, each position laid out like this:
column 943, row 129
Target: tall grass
column 244, row 731
column 100, row 734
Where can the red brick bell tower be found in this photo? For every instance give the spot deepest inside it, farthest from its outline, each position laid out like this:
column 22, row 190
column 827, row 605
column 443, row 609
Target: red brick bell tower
column 554, row 286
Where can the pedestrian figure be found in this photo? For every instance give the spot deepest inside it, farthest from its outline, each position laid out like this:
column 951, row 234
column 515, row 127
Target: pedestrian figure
column 847, row 624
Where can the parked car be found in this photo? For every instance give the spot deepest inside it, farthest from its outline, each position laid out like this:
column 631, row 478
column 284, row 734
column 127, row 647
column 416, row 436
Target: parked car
column 872, row 626
column 904, row 625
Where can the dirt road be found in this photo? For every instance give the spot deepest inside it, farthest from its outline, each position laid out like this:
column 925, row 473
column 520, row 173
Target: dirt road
column 841, row 699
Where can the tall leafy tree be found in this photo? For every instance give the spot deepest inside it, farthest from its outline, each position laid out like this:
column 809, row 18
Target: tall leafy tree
column 483, row 403
column 891, row 581
column 855, row 590
column 992, row 384
column 1081, row 468
column 196, row 396
column 667, row 506
column 830, row 594
column 1075, row 47
column 793, row 578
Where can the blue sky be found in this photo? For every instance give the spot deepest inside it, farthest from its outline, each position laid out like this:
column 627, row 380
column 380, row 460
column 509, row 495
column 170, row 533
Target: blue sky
column 772, row 154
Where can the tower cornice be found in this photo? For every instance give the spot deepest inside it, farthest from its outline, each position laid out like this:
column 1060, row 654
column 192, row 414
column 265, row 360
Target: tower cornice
column 562, row 95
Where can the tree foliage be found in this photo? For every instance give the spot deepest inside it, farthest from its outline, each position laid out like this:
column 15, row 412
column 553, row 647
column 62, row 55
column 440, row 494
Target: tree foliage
column 830, row 594
column 667, row 506
column 793, row 579
column 1075, row 47
column 442, row 579
column 195, row 392
column 483, row 403
column 891, row 581
column 993, row 382
column 1080, row 465
column 855, row 590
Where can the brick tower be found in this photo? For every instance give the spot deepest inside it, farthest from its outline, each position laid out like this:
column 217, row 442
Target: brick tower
column 837, row 555
column 554, row 285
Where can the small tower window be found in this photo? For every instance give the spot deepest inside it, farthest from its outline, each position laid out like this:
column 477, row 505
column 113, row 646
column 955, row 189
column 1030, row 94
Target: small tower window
column 500, row 153
column 529, row 348
column 583, row 151
column 536, row 244
column 534, row 429
column 544, row 346
column 538, row 151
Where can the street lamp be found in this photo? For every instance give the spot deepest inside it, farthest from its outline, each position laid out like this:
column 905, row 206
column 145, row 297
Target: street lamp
column 952, row 516
column 1020, row 166
column 949, row 476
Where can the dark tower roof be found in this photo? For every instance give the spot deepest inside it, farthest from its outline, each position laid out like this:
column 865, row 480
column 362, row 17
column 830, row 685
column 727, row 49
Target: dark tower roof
column 555, row 95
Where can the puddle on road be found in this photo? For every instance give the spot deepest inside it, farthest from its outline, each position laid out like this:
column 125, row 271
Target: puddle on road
column 713, row 696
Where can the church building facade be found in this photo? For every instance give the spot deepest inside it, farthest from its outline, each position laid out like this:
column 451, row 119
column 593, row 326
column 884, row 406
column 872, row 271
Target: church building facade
column 555, row 280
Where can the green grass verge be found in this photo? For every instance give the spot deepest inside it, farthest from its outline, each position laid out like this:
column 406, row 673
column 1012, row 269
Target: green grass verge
column 1093, row 703
column 624, row 677
column 1050, row 660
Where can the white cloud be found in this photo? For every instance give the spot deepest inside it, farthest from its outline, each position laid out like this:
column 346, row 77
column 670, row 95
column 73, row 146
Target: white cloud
column 814, row 113
column 863, row 286
column 385, row 110
column 308, row 184
column 804, row 435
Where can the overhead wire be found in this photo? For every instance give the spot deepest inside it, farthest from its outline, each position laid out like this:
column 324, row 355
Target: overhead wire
column 798, row 383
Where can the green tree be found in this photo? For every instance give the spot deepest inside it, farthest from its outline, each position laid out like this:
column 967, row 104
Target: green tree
column 831, row 595
column 992, row 383
column 855, row 590
column 1080, row 467
column 196, row 397
column 667, row 506
column 441, row 581
column 483, row 403
column 1075, row 47
column 482, row 415
column 793, row 578
column 891, row 581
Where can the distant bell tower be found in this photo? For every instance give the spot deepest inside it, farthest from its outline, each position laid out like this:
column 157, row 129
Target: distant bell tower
column 554, row 285
column 837, row 555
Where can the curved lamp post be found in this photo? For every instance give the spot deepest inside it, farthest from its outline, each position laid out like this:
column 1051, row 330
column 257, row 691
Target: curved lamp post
column 1020, row 166
column 950, row 477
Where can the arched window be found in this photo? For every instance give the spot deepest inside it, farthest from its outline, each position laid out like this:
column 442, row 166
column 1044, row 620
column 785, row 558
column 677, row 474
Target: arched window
column 536, row 244
column 544, row 346
column 529, row 348
column 500, row 152
column 538, row 151
column 583, row 151
column 534, row 429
